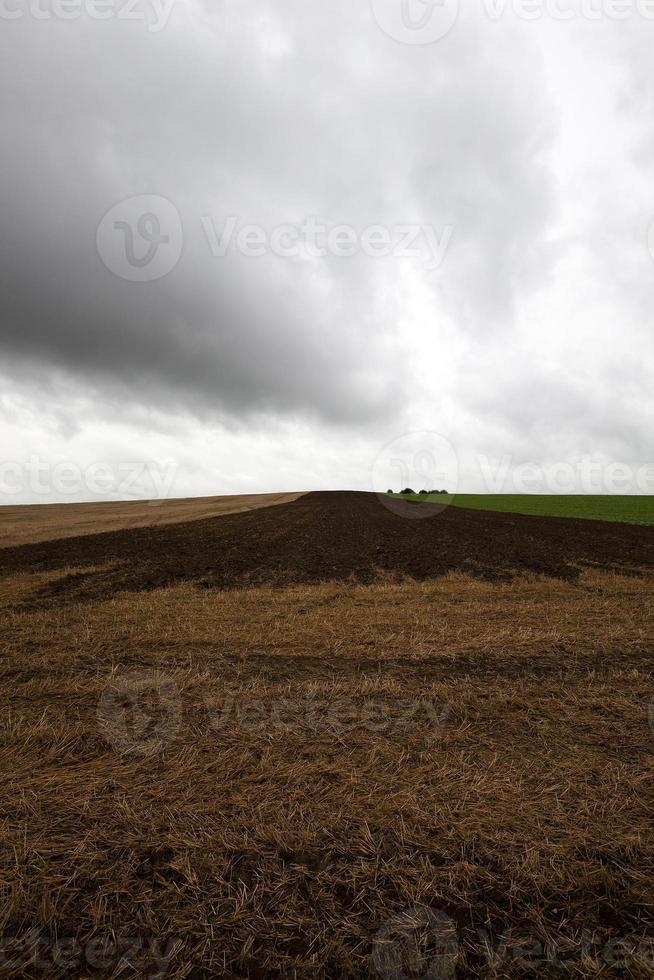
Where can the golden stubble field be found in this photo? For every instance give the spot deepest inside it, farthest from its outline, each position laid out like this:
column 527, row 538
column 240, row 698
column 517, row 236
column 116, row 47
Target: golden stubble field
column 444, row 778
column 31, row 523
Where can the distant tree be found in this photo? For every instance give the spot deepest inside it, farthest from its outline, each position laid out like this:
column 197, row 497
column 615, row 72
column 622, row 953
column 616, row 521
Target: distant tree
column 408, row 491
column 389, row 492
column 424, row 493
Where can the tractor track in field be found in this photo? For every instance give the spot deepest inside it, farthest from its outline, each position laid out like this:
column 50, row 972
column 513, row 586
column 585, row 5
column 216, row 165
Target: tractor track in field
column 328, row 536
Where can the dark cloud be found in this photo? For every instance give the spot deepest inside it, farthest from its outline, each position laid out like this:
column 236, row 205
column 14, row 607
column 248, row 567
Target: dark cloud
column 272, row 114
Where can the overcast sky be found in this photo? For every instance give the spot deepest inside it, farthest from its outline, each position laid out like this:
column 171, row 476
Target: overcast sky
column 256, row 244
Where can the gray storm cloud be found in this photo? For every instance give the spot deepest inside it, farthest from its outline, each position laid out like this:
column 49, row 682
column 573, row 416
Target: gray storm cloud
column 270, row 113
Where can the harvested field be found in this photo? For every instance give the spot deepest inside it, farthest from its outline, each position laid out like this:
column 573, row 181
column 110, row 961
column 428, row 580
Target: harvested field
column 50, row 522
column 366, row 733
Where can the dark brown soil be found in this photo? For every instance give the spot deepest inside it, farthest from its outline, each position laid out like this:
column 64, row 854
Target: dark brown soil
column 329, row 536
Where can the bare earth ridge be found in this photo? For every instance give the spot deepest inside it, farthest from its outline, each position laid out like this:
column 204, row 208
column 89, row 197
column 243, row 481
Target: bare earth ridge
column 328, row 536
